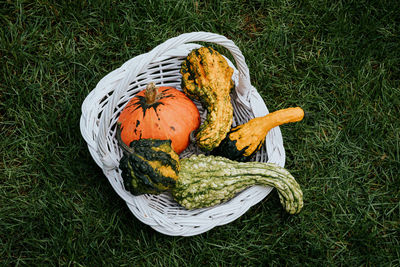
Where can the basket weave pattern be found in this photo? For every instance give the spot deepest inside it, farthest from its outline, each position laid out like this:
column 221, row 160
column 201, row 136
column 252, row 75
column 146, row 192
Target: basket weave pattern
column 101, row 108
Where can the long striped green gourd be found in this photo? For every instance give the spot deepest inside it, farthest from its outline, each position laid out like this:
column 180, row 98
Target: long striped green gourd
column 205, row 181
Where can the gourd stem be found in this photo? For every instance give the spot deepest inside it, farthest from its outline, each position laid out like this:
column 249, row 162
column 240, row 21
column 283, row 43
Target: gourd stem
column 126, row 149
column 151, row 93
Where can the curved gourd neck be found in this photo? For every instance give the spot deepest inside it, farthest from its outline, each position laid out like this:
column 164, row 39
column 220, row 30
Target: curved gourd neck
column 282, row 116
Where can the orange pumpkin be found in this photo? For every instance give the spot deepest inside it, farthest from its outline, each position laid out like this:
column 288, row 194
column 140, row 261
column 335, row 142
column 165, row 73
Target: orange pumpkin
column 163, row 113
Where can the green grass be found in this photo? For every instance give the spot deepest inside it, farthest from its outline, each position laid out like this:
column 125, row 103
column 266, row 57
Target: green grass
column 340, row 61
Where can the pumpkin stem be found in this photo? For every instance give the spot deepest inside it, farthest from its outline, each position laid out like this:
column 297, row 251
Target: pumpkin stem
column 152, row 95
column 126, row 149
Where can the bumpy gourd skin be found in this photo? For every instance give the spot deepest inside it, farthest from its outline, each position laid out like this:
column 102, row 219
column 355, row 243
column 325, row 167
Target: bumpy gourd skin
column 151, row 167
column 205, row 181
column 206, row 76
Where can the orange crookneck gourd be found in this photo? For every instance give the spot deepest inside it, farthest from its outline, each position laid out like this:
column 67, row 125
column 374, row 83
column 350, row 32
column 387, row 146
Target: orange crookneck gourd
column 246, row 139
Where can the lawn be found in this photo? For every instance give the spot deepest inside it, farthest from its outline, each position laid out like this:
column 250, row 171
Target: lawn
column 338, row 60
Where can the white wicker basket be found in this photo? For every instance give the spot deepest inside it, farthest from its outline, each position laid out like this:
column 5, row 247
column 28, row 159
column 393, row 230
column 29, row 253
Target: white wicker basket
column 101, row 109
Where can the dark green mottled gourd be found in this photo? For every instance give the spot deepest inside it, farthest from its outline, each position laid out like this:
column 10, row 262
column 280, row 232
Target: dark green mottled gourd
column 206, row 76
column 149, row 166
column 205, row 181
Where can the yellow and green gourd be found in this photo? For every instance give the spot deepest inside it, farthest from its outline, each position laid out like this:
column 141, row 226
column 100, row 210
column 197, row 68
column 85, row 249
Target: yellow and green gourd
column 148, row 166
column 243, row 141
column 206, row 76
